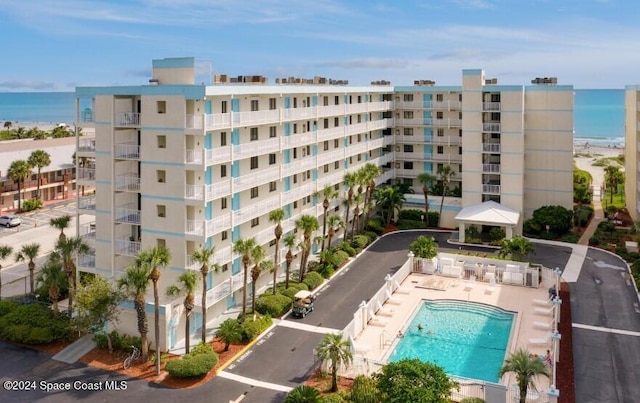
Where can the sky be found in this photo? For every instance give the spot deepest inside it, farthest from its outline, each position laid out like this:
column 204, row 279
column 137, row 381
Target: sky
column 56, row 45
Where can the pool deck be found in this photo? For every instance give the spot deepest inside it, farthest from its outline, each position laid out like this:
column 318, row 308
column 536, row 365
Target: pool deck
column 379, row 336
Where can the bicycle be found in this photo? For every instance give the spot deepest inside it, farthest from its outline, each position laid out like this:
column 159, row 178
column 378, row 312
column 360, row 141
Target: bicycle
column 135, row 355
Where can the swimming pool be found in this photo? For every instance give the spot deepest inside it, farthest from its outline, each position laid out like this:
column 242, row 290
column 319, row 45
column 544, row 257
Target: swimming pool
column 466, row 339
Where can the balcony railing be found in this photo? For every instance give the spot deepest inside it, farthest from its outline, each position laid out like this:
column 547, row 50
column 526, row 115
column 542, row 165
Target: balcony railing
column 218, row 155
column 219, row 189
column 223, row 255
column 447, row 105
column 256, row 210
column 256, row 178
column 491, row 147
column 494, row 168
column 194, row 156
column 254, row 148
column 88, row 230
column 87, row 145
column 299, row 140
column 194, row 192
column 127, row 151
column 130, row 182
column 487, row 188
column 328, row 180
column 87, row 203
column 376, row 143
column 87, row 174
column 128, row 215
column 491, row 127
column 298, row 166
column 331, row 156
column 128, row 119
column 194, row 121
column 491, row 106
column 330, row 134
column 218, row 224
column 87, row 261
column 356, row 128
column 126, row 247
column 300, row 192
column 444, row 140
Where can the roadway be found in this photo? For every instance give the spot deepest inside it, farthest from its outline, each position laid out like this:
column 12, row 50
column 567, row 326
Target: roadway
column 283, row 357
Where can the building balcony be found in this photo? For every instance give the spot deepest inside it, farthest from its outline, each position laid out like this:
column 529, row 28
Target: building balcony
column 217, row 121
column 224, row 255
column 86, row 261
column 299, row 192
column 356, row 148
column 255, row 148
column 491, row 168
column 256, row 210
column 376, row 143
column 444, row 140
column 488, row 188
column 491, row 106
column 87, row 203
column 491, row 127
column 128, row 215
column 331, row 156
column 299, row 140
column 86, row 174
column 491, row 147
column 256, row 178
column 417, row 156
column 87, row 145
column 208, row 193
column 194, row 156
column 207, row 228
column 356, row 128
column 298, row 166
column 218, row 155
column 87, row 232
column 331, row 134
column 327, row 180
column 126, row 151
column 128, row 182
column 444, row 105
column 127, row 119
column 254, row 118
column 407, row 173
column 126, row 247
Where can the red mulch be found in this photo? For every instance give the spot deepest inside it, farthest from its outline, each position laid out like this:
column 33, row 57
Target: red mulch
column 113, row 362
column 564, row 370
column 322, row 382
column 390, row 228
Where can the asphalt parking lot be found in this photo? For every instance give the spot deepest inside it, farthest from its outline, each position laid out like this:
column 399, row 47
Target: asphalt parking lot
column 40, row 217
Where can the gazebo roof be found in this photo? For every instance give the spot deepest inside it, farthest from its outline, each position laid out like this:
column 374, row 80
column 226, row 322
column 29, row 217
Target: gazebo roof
column 490, row 213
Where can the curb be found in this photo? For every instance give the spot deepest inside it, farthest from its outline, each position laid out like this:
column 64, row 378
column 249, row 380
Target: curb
column 244, row 350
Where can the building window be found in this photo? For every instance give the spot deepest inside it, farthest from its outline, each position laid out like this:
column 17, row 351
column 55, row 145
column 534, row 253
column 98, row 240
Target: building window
column 224, row 236
column 295, row 205
column 223, row 139
column 350, row 160
column 272, row 104
column 162, row 106
column 325, row 101
column 440, row 149
column 408, row 165
column 308, row 199
column 273, row 186
column 326, row 145
column 408, row 148
column 359, row 157
column 309, row 174
column 460, row 150
column 254, row 105
column 408, row 131
column 161, row 243
column 336, row 143
column 225, row 266
column 440, row 167
column 272, row 159
column 336, row 122
column 223, row 203
column 253, row 134
column 439, row 115
column 337, row 187
column 326, row 123
column 326, row 168
column 162, row 141
column 440, row 132
column 255, row 222
column 254, row 162
column 295, row 128
column 336, row 165
column 336, row 100
column 254, row 192
column 161, row 175
column 295, row 178
column 223, row 107
column 359, row 137
column 272, row 132
column 408, row 114
column 223, row 171
column 407, row 98
column 439, row 97
column 162, row 210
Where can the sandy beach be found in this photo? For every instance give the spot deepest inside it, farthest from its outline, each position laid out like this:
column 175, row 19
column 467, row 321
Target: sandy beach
column 584, row 157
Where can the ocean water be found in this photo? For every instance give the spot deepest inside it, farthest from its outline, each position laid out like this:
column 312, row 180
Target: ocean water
column 598, row 114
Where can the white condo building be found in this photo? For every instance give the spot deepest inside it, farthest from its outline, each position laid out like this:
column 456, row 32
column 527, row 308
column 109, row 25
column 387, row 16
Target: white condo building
column 186, row 165
column 632, row 150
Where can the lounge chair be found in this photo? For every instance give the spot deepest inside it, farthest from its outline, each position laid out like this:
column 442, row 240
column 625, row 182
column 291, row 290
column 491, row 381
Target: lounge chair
column 541, row 340
column 544, row 325
column 492, row 283
column 544, row 311
column 469, row 284
column 542, row 302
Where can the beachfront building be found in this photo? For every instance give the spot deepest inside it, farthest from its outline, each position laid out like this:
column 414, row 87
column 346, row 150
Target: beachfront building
column 632, row 150
column 57, row 180
column 185, row 166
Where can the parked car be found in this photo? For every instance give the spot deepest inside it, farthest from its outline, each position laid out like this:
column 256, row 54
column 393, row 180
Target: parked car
column 303, row 303
column 10, row 221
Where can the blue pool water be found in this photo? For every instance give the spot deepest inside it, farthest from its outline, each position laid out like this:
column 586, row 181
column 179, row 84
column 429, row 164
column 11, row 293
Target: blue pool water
column 466, row 339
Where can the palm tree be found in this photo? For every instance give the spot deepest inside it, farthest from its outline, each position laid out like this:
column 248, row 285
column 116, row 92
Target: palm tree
column 426, row 179
column 257, row 256
column 29, row 251
column 53, row 278
column 444, row 175
column 335, row 224
column 350, row 180
column 328, row 193
column 7, row 125
column 156, row 257
column 203, row 256
column 5, row 251
column 308, row 224
column 357, row 199
column 526, row 368
column 517, row 247
column 390, row 199
column 290, row 243
column 276, row 216
column 304, row 394
column 372, row 171
column 61, row 223
column 363, row 180
column 424, row 247
column 134, row 284
column 229, row 332
column 39, row 159
column 613, row 177
column 188, row 282
column 336, row 350
column 244, row 247
column 18, row 172
column 68, row 248
column 580, row 193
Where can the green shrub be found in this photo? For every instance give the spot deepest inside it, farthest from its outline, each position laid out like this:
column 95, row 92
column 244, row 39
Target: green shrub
column 606, row 226
column 314, row 279
column 201, row 348
column 571, row 238
column 472, row 400
column 336, row 397
column 595, row 240
column 375, row 224
column 34, row 324
column 7, row 306
column 326, row 270
column 371, row 235
column 496, row 233
column 360, row 241
column 119, row 342
column 252, row 328
column 29, row 205
column 411, row 214
column 434, row 218
column 410, row 224
column 338, row 258
column 347, row 248
column 191, row 366
column 364, row 390
column 273, row 305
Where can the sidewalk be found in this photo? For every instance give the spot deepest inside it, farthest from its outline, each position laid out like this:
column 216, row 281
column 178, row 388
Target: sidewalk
column 598, row 217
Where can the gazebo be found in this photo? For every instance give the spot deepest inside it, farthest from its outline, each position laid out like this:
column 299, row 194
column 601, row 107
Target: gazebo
column 487, row 213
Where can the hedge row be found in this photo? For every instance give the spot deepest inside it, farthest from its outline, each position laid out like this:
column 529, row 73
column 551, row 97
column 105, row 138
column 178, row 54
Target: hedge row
column 32, row 324
column 119, row 342
column 195, row 364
